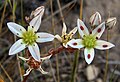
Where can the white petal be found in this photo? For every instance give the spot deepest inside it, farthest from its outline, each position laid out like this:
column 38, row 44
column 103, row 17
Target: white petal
column 22, row 58
column 44, row 37
column 17, row 47
column 42, row 71
column 72, row 32
column 36, row 21
column 95, row 19
column 89, row 55
column 64, row 29
column 82, row 29
column 58, row 37
column 65, row 45
column 16, row 29
column 75, row 43
column 98, row 31
column 45, row 58
column 28, row 71
column 103, row 45
column 35, row 52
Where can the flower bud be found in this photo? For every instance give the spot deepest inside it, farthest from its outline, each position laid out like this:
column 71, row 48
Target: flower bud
column 95, row 19
column 110, row 22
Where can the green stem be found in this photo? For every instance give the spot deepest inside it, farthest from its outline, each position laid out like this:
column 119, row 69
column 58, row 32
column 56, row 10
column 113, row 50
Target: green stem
column 74, row 66
column 106, row 65
column 73, row 75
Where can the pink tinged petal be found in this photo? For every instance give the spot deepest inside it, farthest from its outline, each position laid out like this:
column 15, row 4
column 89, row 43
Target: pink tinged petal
column 58, row 37
column 103, row 45
column 28, row 71
column 64, row 29
column 98, row 31
column 82, row 29
column 16, row 29
column 17, row 47
column 44, row 37
column 42, row 71
column 89, row 55
column 95, row 19
column 35, row 52
column 36, row 21
column 45, row 58
column 76, row 43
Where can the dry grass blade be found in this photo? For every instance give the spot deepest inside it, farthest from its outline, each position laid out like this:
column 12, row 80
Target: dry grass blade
column 6, row 73
column 3, row 15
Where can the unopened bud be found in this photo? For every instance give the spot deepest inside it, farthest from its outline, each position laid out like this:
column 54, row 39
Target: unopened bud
column 110, row 22
column 95, row 19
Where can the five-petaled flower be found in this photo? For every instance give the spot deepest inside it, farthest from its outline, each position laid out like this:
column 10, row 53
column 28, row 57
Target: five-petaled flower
column 65, row 38
column 33, row 64
column 29, row 37
column 90, row 40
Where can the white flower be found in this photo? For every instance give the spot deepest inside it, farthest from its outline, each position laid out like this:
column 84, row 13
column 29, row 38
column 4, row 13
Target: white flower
column 35, row 65
column 90, row 41
column 110, row 22
column 66, row 37
column 29, row 37
column 95, row 19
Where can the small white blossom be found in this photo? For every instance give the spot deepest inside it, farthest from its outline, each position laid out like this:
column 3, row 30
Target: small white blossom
column 90, row 40
column 66, row 37
column 29, row 37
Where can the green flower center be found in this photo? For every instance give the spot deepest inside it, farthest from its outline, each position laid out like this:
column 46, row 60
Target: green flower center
column 66, row 38
column 29, row 37
column 89, row 41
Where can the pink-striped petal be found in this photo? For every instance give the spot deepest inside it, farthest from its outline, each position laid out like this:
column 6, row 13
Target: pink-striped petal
column 103, row 45
column 95, row 19
column 98, row 31
column 89, row 55
column 110, row 22
column 82, row 29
